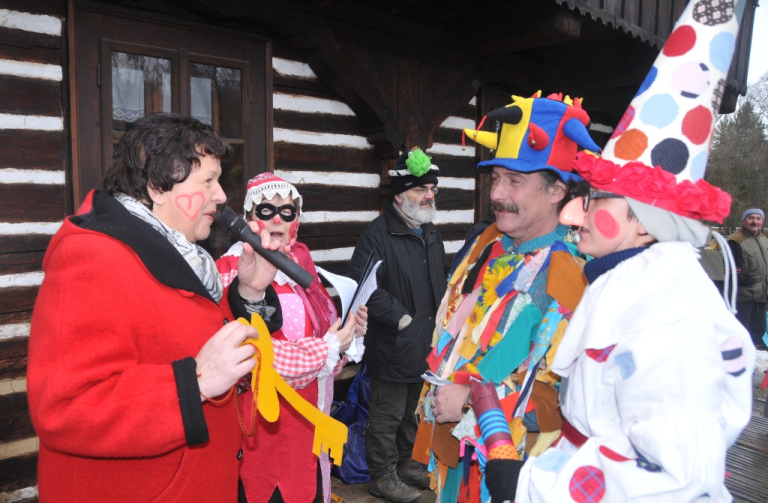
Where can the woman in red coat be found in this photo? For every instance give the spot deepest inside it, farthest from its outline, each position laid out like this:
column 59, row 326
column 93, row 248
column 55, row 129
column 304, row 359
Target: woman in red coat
column 310, row 348
column 129, row 334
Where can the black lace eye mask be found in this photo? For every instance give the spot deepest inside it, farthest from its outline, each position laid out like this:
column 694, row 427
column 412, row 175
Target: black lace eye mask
column 266, row 211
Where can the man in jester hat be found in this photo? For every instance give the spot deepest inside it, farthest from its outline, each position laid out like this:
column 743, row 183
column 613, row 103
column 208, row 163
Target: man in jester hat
column 656, row 372
column 510, row 295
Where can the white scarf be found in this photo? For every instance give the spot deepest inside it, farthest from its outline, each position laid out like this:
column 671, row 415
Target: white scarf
column 198, row 259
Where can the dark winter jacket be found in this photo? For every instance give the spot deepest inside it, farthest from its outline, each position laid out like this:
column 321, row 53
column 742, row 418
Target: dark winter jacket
column 751, row 254
column 411, row 282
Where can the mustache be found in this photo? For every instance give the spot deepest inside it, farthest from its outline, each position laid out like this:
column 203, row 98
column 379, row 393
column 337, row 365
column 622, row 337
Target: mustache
column 499, row 206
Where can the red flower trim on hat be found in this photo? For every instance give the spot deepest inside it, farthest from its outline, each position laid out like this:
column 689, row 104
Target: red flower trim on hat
column 655, row 186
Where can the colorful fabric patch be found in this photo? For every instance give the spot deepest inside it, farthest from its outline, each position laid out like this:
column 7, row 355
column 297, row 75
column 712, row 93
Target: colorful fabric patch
column 631, row 145
column 294, row 316
column 671, row 154
column 587, row 485
column 646, row 465
column 691, row 79
column 552, row 460
column 699, row 166
column 721, row 50
column 600, row 355
column 546, row 331
column 697, row 124
column 512, row 350
column 612, row 455
column 660, row 110
column 649, row 79
column 712, row 13
column 717, row 95
column 734, row 359
column 626, row 364
column 680, row 41
column 626, row 119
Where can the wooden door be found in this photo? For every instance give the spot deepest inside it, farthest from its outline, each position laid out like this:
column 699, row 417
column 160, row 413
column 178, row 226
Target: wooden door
column 127, row 66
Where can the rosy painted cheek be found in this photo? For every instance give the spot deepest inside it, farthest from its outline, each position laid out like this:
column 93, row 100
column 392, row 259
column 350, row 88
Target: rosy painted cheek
column 293, row 230
column 190, row 204
column 261, row 225
column 606, row 224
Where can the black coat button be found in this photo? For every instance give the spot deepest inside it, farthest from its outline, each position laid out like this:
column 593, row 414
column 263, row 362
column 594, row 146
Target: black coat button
column 240, row 454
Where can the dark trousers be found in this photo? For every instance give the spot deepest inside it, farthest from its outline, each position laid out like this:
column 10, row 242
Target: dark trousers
column 752, row 316
column 392, row 425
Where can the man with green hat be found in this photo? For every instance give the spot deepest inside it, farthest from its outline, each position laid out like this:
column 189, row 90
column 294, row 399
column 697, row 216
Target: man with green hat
column 411, row 282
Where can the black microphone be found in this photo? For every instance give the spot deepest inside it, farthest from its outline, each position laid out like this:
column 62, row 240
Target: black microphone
column 235, row 227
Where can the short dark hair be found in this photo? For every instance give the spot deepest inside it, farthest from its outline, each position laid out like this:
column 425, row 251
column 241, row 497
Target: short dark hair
column 160, row 150
column 572, row 187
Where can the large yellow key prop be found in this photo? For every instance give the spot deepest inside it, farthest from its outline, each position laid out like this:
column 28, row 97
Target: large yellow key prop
column 330, row 434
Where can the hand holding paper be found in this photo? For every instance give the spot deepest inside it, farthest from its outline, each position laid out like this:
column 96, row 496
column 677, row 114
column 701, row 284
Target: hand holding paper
column 352, row 294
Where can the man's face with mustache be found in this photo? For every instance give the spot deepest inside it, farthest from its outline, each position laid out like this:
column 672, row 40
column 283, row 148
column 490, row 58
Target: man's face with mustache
column 500, row 206
column 525, row 206
column 753, row 224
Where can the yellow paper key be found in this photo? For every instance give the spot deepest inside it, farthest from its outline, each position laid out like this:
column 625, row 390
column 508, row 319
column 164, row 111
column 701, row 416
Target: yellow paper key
column 330, row 434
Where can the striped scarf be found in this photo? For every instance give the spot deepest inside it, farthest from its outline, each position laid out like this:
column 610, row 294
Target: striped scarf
column 198, row 259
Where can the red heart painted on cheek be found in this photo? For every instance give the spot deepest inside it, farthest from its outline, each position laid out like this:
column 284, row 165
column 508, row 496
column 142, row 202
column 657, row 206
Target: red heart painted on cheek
column 606, row 224
column 189, row 204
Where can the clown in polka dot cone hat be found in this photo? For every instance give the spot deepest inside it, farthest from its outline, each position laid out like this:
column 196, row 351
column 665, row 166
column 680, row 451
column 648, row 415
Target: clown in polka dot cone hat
column 658, row 152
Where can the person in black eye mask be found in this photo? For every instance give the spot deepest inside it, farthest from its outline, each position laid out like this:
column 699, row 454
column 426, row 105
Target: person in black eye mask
column 310, row 348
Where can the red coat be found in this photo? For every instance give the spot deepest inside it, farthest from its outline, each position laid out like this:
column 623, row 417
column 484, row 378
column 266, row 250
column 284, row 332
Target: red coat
column 102, row 391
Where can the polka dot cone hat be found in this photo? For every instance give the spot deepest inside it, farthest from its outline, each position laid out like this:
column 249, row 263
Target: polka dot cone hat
column 658, row 152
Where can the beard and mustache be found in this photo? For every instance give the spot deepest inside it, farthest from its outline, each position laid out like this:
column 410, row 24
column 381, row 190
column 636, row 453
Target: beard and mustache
column 499, row 206
column 414, row 211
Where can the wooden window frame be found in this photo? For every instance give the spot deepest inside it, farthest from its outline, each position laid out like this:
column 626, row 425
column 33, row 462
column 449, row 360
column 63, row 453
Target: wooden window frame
column 95, row 30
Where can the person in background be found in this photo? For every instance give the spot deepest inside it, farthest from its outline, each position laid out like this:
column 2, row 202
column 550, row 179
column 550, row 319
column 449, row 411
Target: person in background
column 129, row 338
column 750, row 250
column 411, row 282
column 310, row 348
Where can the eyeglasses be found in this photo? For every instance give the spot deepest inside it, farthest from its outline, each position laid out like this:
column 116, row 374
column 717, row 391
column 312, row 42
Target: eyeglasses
column 423, row 190
column 597, row 195
column 266, row 211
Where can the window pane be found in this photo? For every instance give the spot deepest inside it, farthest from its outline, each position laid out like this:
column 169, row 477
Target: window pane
column 216, row 98
column 141, row 85
column 231, row 181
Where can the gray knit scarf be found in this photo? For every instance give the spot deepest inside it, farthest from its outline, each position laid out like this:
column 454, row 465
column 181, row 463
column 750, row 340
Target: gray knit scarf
column 198, row 259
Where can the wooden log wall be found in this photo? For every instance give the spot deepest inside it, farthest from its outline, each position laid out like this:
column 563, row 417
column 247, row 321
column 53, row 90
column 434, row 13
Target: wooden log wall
column 321, row 147
column 32, row 206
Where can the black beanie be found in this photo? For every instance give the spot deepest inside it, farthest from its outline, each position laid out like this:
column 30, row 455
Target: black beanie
column 402, row 176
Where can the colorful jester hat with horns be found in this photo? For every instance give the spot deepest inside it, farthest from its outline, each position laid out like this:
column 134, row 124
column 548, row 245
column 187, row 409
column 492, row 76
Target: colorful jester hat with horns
column 658, row 153
column 536, row 133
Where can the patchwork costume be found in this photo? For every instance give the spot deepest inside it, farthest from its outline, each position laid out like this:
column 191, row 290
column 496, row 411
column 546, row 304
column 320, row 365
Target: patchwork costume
column 112, row 382
column 656, row 372
column 506, row 307
column 279, row 455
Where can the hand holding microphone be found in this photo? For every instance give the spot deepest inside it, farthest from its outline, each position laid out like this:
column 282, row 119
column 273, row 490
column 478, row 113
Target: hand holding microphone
column 237, row 228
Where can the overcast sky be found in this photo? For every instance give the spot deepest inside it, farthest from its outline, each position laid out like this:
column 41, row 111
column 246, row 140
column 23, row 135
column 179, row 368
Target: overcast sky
column 758, row 55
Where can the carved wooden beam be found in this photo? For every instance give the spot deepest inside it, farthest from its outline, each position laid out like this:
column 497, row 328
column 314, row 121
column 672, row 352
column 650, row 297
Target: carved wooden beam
column 339, row 70
column 560, row 28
